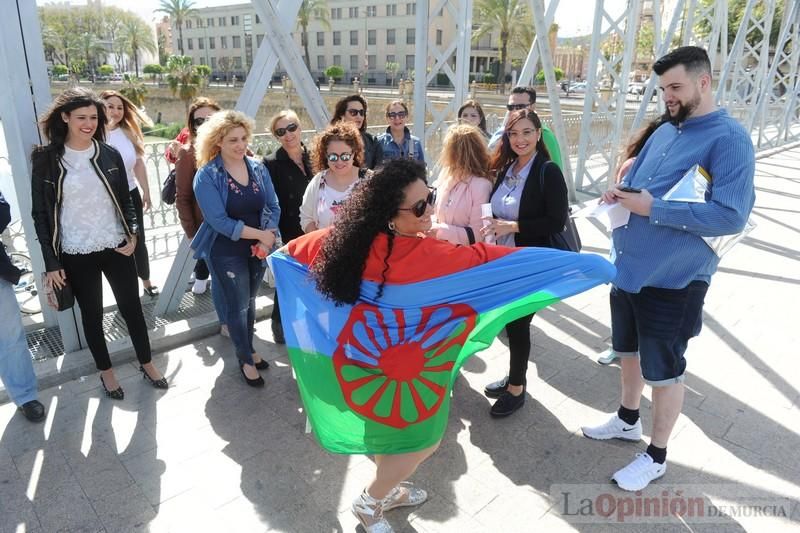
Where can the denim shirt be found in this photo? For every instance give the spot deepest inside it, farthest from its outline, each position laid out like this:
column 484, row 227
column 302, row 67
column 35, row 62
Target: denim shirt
column 211, row 190
column 391, row 150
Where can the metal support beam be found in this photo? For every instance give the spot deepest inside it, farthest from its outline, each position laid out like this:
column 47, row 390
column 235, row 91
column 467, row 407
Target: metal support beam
column 529, row 67
column 24, row 95
column 420, row 67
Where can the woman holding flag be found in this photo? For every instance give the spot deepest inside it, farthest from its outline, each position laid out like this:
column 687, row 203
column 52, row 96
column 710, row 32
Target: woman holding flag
column 377, row 340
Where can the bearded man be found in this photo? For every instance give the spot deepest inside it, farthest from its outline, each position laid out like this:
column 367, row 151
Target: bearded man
column 664, row 265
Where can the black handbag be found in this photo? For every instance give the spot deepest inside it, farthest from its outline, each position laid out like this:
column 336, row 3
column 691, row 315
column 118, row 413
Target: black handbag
column 168, row 191
column 59, row 299
column 567, row 239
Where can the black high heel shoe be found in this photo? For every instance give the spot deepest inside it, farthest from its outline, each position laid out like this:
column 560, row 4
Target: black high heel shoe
column 262, row 365
column 157, row 383
column 116, row 394
column 258, row 382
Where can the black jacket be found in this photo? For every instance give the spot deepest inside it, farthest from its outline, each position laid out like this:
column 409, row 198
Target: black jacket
column 541, row 212
column 47, row 179
column 290, row 184
column 8, row 271
column 373, row 151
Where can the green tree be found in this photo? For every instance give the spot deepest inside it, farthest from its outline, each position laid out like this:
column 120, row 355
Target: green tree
column 736, row 9
column 154, row 69
column 134, row 90
column 105, row 70
column 559, row 74
column 311, row 9
column 59, row 70
column 392, row 68
column 508, row 18
column 136, row 37
column 178, row 11
column 334, row 71
column 204, row 71
column 183, row 79
column 89, row 48
column 225, row 65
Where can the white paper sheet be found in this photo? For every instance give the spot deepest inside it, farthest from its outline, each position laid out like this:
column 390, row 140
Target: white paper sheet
column 611, row 216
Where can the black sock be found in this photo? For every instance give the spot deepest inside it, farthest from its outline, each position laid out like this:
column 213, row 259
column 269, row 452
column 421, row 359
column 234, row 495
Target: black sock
column 659, row 455
column 629, row 416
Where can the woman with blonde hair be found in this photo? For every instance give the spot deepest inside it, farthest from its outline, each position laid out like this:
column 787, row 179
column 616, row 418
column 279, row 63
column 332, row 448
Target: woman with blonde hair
column 124, row 133
column 240, row 222
column 337, row 156
column 462, row 187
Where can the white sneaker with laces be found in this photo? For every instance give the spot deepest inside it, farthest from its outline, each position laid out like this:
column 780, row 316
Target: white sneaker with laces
column 200, row 286
column 607, row 357
column 639, row 473
column 615, row 428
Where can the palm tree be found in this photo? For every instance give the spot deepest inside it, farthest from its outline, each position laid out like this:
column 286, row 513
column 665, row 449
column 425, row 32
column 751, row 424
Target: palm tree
column 183, row 79
column 508, row 17
column 178, row 11
column 311, row 9
column 136, row 36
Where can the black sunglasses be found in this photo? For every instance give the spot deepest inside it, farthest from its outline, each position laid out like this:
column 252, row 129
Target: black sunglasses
column 419, row 208
column 345, row 156
column 398, row 114
column 356, row 112
column 199, row 121
column 516, row 107
column 291, row 128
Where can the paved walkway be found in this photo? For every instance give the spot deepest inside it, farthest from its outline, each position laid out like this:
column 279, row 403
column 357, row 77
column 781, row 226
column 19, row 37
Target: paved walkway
column 211, row 454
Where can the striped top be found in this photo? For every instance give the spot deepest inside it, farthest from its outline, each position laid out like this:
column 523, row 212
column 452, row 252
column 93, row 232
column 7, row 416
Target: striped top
column 666, row 250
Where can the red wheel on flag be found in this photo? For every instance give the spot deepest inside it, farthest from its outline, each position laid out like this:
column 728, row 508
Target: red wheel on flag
column 394, row 366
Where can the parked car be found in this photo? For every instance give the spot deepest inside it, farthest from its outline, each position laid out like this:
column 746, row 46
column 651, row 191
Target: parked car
column 578, row 87
column 636, row 88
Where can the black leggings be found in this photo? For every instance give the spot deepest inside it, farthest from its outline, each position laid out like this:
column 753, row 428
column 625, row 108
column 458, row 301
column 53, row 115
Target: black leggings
column 140, row 253
column 200, row 270
column 84, row 272
column 519, row 347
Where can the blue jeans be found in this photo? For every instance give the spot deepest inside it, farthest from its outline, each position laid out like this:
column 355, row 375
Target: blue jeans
column 16, row 367
column 238, row 279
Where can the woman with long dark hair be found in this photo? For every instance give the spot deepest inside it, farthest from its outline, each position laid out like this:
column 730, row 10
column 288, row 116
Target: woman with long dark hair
column 87, row 226
column 471, row 112
column 529, row 204
column 124, row 133
column 353, row 109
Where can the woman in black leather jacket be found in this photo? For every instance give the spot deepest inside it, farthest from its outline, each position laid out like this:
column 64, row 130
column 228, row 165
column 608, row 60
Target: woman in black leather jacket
column 86, row 225
column 353, row 109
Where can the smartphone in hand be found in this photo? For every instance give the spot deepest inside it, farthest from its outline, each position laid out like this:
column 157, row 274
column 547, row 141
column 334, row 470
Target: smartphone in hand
column 629, row 189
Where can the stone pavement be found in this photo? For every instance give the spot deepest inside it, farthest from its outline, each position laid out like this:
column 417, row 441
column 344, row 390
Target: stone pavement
column 211, row 454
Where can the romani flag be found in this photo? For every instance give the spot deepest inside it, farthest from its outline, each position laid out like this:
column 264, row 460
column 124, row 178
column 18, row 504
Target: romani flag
column 375, row 377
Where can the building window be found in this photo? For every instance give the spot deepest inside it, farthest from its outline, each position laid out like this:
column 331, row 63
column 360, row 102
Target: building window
column 222, row 21
column 410, row 62
column 321, row 62
column 212, row 42
column 372, row 37
column 411, row 8
column 354, row 37
column 372, row 11
column 199, row 23
column 336, row 12
column 213, row 63
column 391, row 10
column 337, row 38
column 190, row 43
column 258, row 19
column 202, row 60
column 389, row 36
column 201, row 43
column 234, row 21
column 337, row 60
column 354, row 63
column 210, row 22
column 320, row 38
column 188, row 24
column 411, row 35
column 390, row 58
column 353, row 12
column 237, row 41
column 259, row 38
column 371, row 60
column 237, row 62
column 223, row 42
column 439, row 34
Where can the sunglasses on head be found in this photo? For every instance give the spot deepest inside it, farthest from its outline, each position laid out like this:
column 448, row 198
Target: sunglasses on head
column 333, row 158
column 199, row 121
column 397, row 114
column 419, row 208
column 516, row 107
column 356, row 112
column 291, row 128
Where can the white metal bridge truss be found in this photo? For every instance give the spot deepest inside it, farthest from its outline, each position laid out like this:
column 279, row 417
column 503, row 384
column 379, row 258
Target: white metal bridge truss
column 759, row 85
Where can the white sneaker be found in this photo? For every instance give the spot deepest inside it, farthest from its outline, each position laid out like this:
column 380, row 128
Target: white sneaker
column 607, row 357
column 200, row 286
column 615, row 428
column 639, row 474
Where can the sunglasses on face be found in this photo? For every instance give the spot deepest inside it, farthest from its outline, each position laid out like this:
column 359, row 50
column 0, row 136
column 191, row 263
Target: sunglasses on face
column 516, row 107
column 397, row 114
column 356, row 112
column 333, row 158
column 419, row 208
column 291, row 128
column 199, row 121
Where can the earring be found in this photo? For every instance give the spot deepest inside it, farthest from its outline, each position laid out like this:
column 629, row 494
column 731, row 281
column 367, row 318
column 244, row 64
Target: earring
column 392, row 227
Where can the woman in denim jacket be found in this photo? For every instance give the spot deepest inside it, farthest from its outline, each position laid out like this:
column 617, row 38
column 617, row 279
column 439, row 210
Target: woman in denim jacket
column 240, row 221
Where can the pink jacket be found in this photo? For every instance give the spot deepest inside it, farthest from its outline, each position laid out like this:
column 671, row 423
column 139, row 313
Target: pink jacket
column 459, row 208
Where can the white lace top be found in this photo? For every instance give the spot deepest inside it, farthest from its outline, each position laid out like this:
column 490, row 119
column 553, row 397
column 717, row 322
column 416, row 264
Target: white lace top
column 124, row 146
column 89, row 221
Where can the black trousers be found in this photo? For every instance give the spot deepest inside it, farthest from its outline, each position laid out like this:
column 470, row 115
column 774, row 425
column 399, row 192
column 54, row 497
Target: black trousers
column 140, row 253
column 519, row 347
column 201, row 270
column 85, row 273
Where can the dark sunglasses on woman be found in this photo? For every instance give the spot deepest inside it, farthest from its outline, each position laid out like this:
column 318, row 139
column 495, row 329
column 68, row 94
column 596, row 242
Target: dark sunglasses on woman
column 333, row 158
column 397, row 114
column 356, row 112
column 291, row 128
column 199, row 121
column 419, row 208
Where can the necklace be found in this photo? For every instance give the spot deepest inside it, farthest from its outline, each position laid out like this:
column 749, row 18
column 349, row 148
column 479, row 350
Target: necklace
column 413, row 236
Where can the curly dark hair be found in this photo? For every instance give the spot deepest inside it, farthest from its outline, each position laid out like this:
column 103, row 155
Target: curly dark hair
column 341, row 109
column 341, row 131
column 374, row 202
